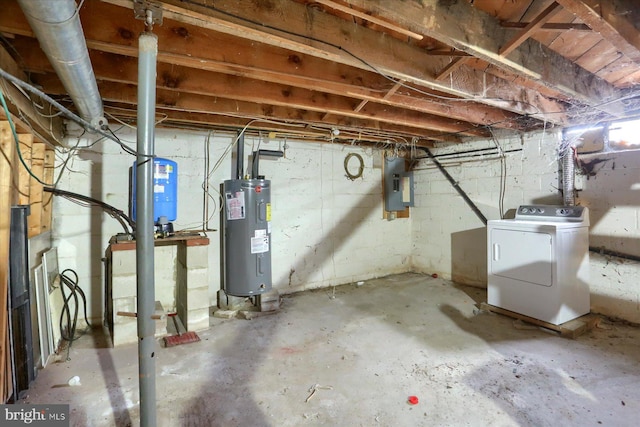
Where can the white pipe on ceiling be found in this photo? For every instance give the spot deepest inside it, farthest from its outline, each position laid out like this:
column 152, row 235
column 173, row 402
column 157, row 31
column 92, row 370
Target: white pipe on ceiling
column 57, row 26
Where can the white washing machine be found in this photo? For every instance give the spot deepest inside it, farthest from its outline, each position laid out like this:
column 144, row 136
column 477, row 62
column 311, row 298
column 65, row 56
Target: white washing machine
column 538, row 263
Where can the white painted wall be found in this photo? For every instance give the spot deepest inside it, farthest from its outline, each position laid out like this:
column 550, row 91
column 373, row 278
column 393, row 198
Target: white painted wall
column 326, row 229
column 450, row 240
column 612, row 194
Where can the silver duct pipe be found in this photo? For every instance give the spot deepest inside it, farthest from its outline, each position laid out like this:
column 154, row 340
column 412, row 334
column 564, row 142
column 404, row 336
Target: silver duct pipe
column 568, row 177
column 57, row 26
column 147, row 57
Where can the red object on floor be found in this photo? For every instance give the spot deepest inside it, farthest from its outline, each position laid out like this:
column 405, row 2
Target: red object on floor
column 413, row 400
column 434, row 275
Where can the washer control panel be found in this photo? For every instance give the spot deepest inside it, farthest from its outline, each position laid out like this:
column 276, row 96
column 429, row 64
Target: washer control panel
column 552, row 213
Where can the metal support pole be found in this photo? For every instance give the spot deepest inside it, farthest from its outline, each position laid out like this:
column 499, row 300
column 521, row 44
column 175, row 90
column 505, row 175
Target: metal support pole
column 148, row 52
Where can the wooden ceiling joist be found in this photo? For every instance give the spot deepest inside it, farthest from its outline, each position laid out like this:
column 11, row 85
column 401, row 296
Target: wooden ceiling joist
column 610, row 18
column 428, row 70
column 364, row 49
column 198, row 90
column 298, row 76
column 479, row 34
column 526, row 32
column 307, row 123
column 374, row 20
column 531, row 28
column 167, row 98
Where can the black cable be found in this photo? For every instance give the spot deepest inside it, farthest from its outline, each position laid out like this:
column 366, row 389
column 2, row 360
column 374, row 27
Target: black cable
column 353, row 176
column 114, row 212
column 69, row 333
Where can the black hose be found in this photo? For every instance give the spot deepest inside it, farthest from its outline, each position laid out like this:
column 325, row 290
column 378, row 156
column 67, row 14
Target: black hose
column 69, row 333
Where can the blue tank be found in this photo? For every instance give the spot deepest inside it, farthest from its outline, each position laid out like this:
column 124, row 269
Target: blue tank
column 165, row 190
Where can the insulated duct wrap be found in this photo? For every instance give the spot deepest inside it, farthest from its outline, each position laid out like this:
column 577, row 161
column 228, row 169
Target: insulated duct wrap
column 568, row 177
column 57, row 26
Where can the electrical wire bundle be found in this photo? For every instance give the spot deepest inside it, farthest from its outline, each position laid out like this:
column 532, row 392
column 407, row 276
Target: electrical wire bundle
column 69, row 278
column 127, row 223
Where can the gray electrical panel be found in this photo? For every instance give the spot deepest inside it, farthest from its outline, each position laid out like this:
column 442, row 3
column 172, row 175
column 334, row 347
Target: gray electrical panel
column 398, row 185
column 247, row 237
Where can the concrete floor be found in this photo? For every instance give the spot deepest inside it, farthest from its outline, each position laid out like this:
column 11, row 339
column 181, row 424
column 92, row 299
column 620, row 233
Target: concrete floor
column 369, row 347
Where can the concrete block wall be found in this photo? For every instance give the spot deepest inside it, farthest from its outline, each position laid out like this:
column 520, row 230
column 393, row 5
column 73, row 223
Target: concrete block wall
column 329, row 230
column 326, row 229
column 611, row 190
column 450, row 240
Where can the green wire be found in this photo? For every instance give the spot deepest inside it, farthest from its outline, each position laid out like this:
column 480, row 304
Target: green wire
column 15, row 136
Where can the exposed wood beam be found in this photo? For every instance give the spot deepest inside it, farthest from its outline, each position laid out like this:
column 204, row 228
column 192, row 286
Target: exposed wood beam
column 366, row 49
column 531, row 28
column 387, row 95
column 550, row 26
column 394, row 89
column 610, row 18
column 452, row 66
column 195, row 81
column 473, row 31
column 476, row 113
column 447, row 52
column 348, row 133
column 361, row 105
column 26, row 149
column 524, row 34
column 356, row 129
column 8, row 172
column 370, row 18
column 126, row 92
column 467, row 111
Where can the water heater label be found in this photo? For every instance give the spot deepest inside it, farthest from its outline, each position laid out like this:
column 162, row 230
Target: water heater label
column 268, row 212
column 235, row 205
column 259, row 244
column 158, row 188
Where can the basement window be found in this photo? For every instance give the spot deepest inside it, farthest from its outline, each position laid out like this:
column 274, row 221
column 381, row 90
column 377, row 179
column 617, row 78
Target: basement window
column 624, row 135
column 616, row 136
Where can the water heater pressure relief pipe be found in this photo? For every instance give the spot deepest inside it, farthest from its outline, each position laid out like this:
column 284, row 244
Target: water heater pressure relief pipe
column 255, row 164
